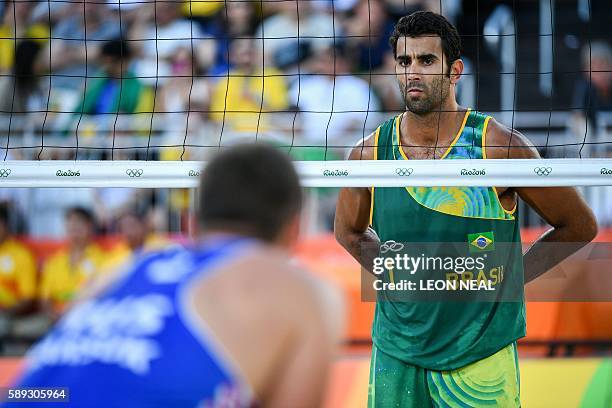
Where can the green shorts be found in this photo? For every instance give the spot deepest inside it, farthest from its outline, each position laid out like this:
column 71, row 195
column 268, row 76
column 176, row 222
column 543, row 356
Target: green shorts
column 490, row 382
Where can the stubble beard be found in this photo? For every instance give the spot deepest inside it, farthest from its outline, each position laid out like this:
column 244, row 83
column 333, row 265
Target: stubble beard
column 431, row 100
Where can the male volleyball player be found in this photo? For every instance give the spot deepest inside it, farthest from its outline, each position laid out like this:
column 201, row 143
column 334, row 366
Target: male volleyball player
column 227, row 323
column 450, row 354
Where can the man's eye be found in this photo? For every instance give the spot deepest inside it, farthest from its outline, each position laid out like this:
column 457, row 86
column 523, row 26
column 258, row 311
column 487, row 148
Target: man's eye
column 428, row 61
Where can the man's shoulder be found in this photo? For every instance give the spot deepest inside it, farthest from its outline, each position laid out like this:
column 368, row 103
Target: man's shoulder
column 260, row 270
column 503, row 142
column 365, row 148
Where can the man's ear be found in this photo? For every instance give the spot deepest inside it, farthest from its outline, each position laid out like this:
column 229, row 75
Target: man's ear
column 456, row 70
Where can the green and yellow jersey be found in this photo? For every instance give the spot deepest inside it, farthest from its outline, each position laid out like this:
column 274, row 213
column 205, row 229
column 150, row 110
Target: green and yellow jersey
column 446, row 335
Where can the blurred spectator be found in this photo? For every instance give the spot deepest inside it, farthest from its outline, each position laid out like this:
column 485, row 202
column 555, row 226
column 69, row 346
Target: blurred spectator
column 593, row 92
column 335, row 104
column 592, row 95
column 158, row 33
column 17, row 287
column 46, row 209
column 369, row 28
column 72, row 268
column 237, row 100
column 17, row 272
column 184, row 100
column 110, row 202
column 137, row 232
column 186, row 89
column 277, row 33
column 17, row 25
column 17, row 203
column 75, row 50
column 203, row 12
column 236, row 19
column 115, row 88
column 384, row 83
column 22, row 91
column 137, row 235
column 448, row 8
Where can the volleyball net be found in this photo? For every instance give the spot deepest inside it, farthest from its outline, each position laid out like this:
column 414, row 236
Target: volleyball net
column 138, row 93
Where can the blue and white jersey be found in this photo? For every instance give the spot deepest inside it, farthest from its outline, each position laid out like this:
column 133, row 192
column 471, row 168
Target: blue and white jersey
column 138, row 343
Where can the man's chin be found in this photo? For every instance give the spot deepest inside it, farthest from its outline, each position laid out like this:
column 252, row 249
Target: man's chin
column 418, row 109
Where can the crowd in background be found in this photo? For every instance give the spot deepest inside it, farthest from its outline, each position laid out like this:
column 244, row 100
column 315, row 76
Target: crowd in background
column 206, row 69
column 306, row 73
column 313, row 73
column 244, row 64
column 39, row 280
column 316, row 75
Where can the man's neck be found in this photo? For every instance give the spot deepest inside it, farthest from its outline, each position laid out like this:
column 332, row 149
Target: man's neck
column 434, row 128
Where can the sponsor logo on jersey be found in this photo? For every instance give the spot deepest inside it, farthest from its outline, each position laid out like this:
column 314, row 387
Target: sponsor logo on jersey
column 391, row 246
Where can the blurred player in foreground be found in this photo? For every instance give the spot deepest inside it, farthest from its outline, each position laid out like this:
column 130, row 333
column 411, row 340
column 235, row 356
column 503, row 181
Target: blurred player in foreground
column 445, row 353
column 227, row 323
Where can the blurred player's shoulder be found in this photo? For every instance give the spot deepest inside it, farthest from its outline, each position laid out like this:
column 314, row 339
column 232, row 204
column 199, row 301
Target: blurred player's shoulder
column 263, row 309
column 269, row 277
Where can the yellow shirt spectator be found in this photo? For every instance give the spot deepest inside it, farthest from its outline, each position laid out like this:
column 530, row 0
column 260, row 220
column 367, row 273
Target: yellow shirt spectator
column 121, row 254
column 62, row 281
column 243, row 101
column 37, row 32
column 17, row 273
column 201, row 8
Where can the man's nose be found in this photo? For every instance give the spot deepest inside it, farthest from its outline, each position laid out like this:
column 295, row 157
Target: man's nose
column 413, row 73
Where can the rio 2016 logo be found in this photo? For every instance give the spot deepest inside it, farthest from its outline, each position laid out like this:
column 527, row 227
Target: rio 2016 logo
column 335, row 173
column 68, row 173
column 193, row 173
column 473, row 172
column 4, row 173
column 605, row 171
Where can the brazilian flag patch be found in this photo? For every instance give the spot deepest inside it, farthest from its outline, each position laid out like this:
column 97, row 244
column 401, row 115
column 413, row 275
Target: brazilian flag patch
column 481, row 241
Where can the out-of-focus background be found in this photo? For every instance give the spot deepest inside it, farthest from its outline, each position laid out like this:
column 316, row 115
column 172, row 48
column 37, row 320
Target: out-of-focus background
column 176, row 80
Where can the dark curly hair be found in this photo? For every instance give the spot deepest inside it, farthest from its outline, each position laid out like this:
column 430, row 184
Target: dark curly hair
column 426, row 22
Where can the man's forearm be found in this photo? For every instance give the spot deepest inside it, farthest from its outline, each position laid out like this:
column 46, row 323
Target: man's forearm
column 545, row 255
column 363, row 247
